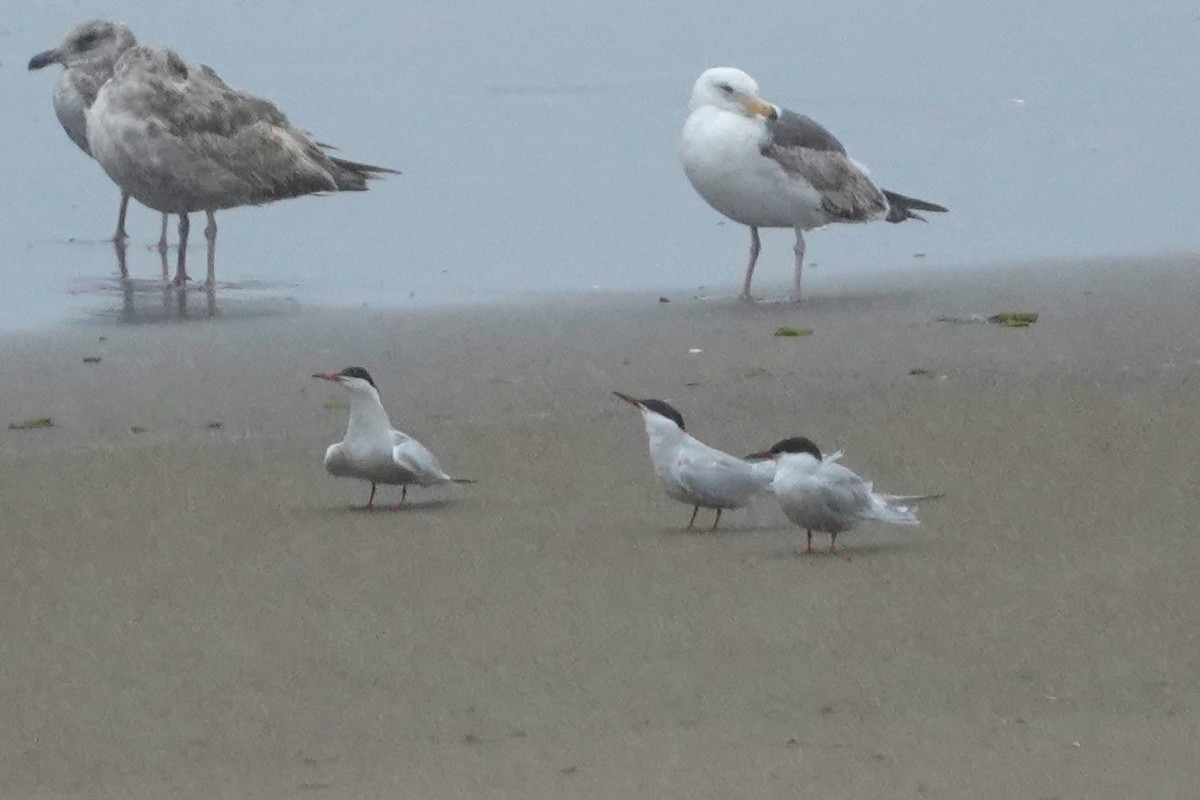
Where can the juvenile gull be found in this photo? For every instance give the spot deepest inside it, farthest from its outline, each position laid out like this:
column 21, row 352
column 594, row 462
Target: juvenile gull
column 818, row 494
column 88, row 54
column 372, row 449
column 692, row 472
column 769, row 168
column 179, row 139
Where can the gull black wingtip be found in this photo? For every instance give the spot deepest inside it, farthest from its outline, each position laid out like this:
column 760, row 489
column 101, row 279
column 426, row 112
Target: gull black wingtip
column 901, row 207
column 43, row 59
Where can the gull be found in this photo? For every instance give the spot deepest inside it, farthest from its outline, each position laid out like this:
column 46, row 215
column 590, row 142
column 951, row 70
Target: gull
column 179, row 139
column 819, row 494
column 372, row 449
column 770, row 168
column 692, row 472
column 88, row 54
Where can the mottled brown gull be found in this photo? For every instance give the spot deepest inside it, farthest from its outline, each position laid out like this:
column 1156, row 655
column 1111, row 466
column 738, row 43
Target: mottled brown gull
column 769, row 168
column 88, row 54
column 179, row 139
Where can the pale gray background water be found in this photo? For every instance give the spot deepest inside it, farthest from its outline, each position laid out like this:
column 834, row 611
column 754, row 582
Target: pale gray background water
column 538, row 142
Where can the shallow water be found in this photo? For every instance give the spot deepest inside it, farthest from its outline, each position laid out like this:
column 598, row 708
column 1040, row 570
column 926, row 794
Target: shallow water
column 539, row 145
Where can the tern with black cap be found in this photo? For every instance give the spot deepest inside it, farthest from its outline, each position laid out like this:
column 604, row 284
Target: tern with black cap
column 372, row 449
column 692, row 472
column 819, row 494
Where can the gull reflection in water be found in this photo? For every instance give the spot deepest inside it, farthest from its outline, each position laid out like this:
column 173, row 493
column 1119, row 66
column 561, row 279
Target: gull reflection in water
column 158, row 300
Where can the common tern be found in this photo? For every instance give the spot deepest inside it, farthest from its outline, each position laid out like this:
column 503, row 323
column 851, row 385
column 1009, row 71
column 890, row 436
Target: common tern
column 375, row 451
column 692, row 472
column 819, row 494
column 766, row 167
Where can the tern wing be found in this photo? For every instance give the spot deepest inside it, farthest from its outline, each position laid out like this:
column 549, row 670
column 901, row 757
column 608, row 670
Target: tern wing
column 848, row 495
column 412, row 456
column 843, row 493
column 717, row 479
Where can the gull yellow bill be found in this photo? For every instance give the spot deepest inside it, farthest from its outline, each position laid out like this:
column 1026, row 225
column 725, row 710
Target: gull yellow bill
column 758, row 106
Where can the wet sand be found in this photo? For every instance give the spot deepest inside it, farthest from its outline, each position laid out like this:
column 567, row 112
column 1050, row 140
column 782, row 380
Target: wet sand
column 196, row 611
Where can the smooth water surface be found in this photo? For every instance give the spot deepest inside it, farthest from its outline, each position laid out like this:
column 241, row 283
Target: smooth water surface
column 539, row 146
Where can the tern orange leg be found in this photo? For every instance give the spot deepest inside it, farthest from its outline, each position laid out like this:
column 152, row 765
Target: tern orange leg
column 371, row 499
column 692, row 521
column 716, row 521
column 833, row 543
column 403, row 494
column 809, row 548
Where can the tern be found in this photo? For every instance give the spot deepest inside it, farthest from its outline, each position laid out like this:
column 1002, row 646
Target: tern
column 766, row 167
column 692, row 472
column 819, row 494
column 375, row 451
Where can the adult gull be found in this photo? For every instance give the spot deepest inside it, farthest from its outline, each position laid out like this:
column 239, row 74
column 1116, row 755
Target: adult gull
column 766, row 167
column 179, row 139
column 88, row 54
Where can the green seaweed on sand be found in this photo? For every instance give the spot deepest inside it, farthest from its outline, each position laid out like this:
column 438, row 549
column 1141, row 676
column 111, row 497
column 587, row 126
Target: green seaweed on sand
column 31, row 424
column 1014, row 319
column 788, row 330
column 335, row 405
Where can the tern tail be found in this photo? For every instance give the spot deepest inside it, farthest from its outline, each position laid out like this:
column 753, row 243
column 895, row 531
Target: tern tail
column 913, row 498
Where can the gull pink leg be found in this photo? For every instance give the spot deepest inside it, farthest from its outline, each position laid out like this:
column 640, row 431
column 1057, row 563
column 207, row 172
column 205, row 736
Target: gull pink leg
column 120, row 235
column 181, row 264
column 210, row 233
column 162, row 236
column 755, row 246
column 799, row 248
column 119, row 246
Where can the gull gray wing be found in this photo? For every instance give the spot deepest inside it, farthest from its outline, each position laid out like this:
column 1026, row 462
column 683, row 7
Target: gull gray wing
column 808, row 152
column 347, row 175
column 181, row 141
column 248, row 137
column 791, row 130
